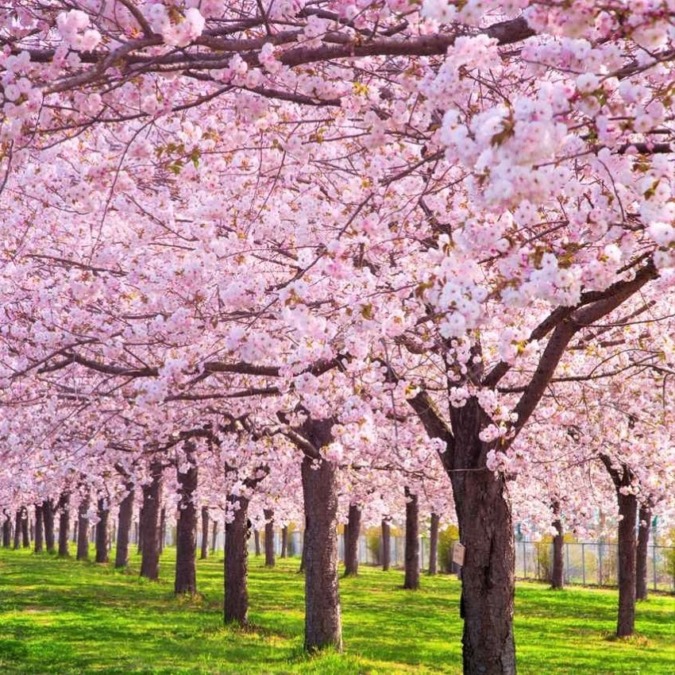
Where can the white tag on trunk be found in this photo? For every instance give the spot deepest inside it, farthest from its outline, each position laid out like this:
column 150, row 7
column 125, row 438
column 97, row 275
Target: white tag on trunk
column 458, row 554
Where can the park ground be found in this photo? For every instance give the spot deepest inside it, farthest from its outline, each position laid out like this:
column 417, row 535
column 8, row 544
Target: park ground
column 63, row 616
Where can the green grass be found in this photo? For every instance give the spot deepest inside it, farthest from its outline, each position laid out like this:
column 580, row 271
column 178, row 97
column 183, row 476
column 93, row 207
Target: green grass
column 61, row 616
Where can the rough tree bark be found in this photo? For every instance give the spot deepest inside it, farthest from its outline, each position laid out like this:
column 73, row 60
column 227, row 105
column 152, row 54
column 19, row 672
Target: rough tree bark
column 150, row 523
column 269, row 537
column 162, row 529
column 39, row 529
column 352, row 532
column 186, row 527
column 433, row 543
column 412, row 541
column 7, row 530
column 17, row 529
column 557, row 572
column 102, row 531
column 83, row 528
column 323, row 621
column 204, row 553
column 622, row 477
column 63, row 508
column 124, row 519
column 214, row 535
column 236, row 562
column 385, row 553
column 645, row 517
column 256, row 542
column 48, row 523
column 284, row 541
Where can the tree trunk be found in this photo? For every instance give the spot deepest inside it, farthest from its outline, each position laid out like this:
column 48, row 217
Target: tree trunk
column 214, row 535
column 323, row 623
column 7, row 531
column 256, row 542
column 102, row 531
column 139, row 526
column 284, row 541
column 25, row 537
column 48, row 523
column 17, row 530
column 352, row 532
column 64, row 524
column 39, row 529
column 433, row 543
column 645, row 517
column 83, row 529
column 162, row 530
column 236, row 562
column 186, row 529
column 124, row 518
column 205, row 533
column 269, row 537
column 150, row 524
column 303, row 554
column 386, row 544
column 412, row 541
column 628, row 510
column 557, row 572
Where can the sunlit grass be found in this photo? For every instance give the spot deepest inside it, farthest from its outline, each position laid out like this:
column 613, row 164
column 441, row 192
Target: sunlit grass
column 62, row 616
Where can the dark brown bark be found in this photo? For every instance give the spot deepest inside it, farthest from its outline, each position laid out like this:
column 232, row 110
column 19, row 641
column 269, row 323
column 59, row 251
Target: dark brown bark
column 284, row 541
column 7, row 530
column 433, row 543
column 48, row 523
column 162, row 530
column 64, row 524
column 236, row 562
column 17, row 529
column 412, row 541
column 83, row 528
column 139, row 529
column 323, row 622
column 39, row 529
column 25, row 536
column 124, row 519
column 102, row 531
column 352, row 532
column 256, row 542
column 645, row 517
column 269, row 537
column 385, row 544
column 204, row 554
column 186, row 529
column 150, row 523
column 557, row 571
column 622, row 477
column 214, row 535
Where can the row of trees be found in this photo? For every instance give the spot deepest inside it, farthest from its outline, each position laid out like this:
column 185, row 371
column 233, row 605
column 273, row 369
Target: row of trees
column 320, row 247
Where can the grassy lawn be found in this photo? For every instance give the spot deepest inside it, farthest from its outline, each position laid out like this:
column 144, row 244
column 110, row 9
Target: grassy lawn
column 61, row 616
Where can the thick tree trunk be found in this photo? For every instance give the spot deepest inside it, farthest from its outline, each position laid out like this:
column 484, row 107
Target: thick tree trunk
column 39, row 529
column 628, row 509
column 269, row 538
column 7, row 531
column 102, row 531
column 83, row 529
column 162, row 530
column 150, row 524
column 214, row 535
column 186, row 530
column 323, row 622
column 433, row 543
column 412, row 541
column 204, row 554
column 17, row 530
column 352, row 532
column 139, row 526
column 25, row 536
column 385, row 553
column 48, row 523
column 236, row 562
column 256, row 542
column 645, row 517
column 557, row 572
column 64, row 524
column 284, row 541
column 124, row 519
